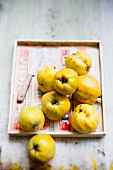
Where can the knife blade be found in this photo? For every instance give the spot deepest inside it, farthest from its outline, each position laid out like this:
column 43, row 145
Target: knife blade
column 37, row 63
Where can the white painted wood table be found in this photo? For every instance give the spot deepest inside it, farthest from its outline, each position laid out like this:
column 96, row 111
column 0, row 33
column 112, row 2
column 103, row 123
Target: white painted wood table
column 57, row 20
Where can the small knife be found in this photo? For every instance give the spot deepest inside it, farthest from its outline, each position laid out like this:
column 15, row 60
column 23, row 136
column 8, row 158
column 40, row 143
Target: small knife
column 38, row 61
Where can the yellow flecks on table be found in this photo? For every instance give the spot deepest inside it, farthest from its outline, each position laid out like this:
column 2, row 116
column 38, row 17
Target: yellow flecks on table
column 16, row 166
column 94, row 164
column 73, row 167
column 49, row 167
column 111, row 166
column 61, row 168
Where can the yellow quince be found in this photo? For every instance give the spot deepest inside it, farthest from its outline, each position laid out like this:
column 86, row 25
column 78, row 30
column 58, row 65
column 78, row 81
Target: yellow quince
column 84, row 118
column 88, row 89
column 80, row 62
column 42, row 148
column 45, row 77
column 54, row 105
column 65, row 81
column 31, row 119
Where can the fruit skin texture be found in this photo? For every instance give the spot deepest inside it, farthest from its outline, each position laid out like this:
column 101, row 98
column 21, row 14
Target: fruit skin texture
column 31, row 119
column 84, row 118
column 54, row 105
column 88, row 89
column 80, row 62
column 42, row 148
column 66, row 81
column 45, row 77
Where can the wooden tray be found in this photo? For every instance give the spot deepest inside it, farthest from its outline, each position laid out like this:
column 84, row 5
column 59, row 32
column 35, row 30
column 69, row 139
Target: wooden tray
column 24, row 52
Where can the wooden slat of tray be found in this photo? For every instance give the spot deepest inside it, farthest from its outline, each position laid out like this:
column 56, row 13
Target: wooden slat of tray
column 31, row 44
column 95, row 43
